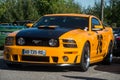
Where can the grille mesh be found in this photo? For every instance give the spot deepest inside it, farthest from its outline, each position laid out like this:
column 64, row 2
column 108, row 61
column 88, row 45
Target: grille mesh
column 35, row 58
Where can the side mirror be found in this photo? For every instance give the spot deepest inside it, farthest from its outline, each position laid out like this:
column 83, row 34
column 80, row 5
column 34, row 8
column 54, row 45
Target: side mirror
column 29, row 25
column 97, row 28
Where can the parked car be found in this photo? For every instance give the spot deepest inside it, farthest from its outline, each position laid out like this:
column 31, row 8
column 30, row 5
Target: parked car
column 116, row 50
column 116, row 32
column 61, row 40
column 5, row 29
column 23, row 22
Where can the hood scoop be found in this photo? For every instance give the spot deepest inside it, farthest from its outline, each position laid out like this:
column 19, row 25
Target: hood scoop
column 48, row 27
column 44, row 32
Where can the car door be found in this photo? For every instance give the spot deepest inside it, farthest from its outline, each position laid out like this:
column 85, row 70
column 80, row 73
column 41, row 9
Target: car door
column 100, row 40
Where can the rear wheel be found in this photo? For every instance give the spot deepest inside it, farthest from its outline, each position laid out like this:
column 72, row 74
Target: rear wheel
column 85, row 59
column 108, row 58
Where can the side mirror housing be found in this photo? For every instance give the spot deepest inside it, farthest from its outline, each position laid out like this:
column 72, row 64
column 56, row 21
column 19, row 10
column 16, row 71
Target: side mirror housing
column 97, row 28
column 29, row 25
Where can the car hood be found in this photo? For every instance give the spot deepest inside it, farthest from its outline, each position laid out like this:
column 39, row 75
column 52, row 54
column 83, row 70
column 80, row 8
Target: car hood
column 42, row 33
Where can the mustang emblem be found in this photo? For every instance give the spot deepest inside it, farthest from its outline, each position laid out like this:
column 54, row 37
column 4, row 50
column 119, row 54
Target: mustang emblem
column 36, row 41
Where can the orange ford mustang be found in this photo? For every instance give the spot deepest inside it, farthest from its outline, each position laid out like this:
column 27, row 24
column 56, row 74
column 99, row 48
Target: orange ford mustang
column 61, row 40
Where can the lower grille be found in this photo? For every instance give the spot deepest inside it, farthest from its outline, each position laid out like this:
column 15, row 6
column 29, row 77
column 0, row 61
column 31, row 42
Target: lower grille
column 35, row 58
column 15, row 57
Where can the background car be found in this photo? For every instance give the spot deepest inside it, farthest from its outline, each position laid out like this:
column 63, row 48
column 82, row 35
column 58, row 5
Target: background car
column 24, row 22
column 116, row 49
column 5, row 29
column 116, row 32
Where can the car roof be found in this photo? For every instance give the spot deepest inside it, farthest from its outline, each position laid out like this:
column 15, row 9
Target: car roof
column 82, row 15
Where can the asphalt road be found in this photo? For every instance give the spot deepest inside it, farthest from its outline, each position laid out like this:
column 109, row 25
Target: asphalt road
column 95, row 72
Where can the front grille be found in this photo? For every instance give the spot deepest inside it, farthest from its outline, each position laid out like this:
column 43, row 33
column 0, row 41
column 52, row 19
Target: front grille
column 35, row 58
column 36, row 42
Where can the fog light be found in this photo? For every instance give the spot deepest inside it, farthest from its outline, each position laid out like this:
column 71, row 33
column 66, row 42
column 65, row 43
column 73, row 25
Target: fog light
column 65, row 58
column 55, row 59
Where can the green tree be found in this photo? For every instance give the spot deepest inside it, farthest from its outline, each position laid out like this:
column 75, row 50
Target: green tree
column 95, row 10
column 12, row 10
column 66, row 6
column 111, row 11
column 18, row 10
column 7, row 16
column 29, row 10
column 43, row 7
column 2, row 8
column 114, row 14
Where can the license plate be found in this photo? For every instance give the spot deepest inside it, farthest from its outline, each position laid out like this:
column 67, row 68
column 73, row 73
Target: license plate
column 34, row 52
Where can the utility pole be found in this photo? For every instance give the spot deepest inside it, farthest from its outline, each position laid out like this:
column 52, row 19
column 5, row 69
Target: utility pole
column 102, row 10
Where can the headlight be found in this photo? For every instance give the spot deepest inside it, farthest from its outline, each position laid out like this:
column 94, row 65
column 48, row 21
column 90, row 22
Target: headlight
column 53, row 42
column 9, row 41
column 21, row 41
column 69, row 43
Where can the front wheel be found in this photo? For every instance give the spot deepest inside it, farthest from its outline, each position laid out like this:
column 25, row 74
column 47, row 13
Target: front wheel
column 85, row 59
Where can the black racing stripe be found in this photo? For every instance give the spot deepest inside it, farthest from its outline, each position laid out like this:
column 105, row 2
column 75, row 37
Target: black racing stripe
column 42, row 33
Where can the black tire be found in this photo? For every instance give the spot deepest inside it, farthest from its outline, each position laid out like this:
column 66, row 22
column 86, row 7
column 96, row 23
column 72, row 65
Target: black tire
column 108, row 59
column 85, row 59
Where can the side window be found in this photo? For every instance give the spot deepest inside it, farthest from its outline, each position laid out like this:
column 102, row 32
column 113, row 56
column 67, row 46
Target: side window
column 95, row 22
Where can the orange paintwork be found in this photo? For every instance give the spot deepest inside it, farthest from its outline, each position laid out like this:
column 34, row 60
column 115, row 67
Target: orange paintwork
column 80, row 36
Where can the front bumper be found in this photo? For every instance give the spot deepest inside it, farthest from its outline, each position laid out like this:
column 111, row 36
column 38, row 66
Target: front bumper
column 54, row 56
column 42, row 64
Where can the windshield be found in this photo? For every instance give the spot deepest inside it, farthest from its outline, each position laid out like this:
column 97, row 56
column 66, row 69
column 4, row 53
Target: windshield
column 63, row 21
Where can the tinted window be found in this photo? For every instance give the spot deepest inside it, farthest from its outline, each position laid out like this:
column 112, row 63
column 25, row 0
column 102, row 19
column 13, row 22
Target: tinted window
column 95, row 22
column 63, row 21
